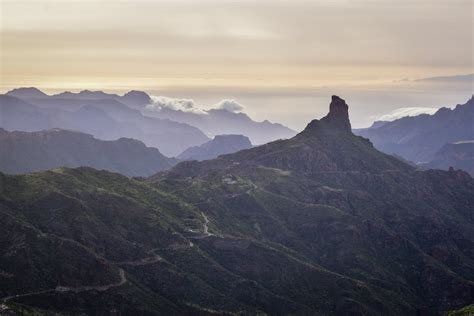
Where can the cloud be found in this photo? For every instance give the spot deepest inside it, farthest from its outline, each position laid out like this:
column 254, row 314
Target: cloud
column 229, row 105
column 401, row 112
column 188, row 105
column 185, row 105
column 469, row 78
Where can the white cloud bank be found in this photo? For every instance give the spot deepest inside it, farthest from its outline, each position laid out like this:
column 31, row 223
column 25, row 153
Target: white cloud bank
column 185, row 105
column 188, row 105
column 229, row 105
column 410, row 111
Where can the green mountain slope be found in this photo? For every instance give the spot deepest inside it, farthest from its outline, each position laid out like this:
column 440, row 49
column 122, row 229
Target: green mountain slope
column 318, row 224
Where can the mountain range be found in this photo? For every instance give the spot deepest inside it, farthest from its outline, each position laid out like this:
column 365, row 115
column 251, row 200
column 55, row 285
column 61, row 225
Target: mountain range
column 222, row 121
column 458, row 155
column 23, row 152
column 419, row 138
column 319, row 224
column 105, row 119
column 133, row 98
column 134, row 108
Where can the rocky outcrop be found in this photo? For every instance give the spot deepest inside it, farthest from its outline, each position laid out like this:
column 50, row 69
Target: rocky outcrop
column 338, row 115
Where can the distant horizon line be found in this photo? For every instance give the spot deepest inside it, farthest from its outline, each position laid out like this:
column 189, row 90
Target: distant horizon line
column 50, row 89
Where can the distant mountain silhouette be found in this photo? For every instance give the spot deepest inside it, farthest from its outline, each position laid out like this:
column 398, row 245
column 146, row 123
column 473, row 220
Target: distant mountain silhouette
column 459, row 155
column 30, row 92
column 135, row 99
column 222, row 121
column 106, row 119
column 211, row 122
column 220, row 145
column 418, row 138
column 84, row 95
column 23, row 152
column 468, row 78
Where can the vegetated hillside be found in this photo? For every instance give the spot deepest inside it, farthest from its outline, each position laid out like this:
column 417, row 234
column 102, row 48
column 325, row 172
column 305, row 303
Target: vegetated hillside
column 318, row 224
column 105, row 119
column 418, row 138
column 220, row 145
column 465, row 311
column 459, row 155
column 23, row 152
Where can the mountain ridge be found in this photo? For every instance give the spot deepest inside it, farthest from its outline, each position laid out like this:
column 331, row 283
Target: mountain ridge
column 131, row 98
column 106, row 120
column 24, row 152
column 418, row 138
column 215, row 121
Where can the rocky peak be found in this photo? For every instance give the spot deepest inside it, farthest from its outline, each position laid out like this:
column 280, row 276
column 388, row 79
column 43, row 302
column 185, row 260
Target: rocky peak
column 338, row 114
column 338, row 117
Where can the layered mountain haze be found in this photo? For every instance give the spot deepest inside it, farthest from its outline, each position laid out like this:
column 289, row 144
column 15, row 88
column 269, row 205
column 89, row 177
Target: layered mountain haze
column 135, row 99
column 171, row 125
column 321, row 223
column 225, row 117
column 459, row 155
column 28, row 93
column 23, row 152
column 220, row 145
column 418, row 138
column 105, row 119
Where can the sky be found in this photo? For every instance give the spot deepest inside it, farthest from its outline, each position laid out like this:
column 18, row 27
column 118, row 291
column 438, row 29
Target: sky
column 280, row 59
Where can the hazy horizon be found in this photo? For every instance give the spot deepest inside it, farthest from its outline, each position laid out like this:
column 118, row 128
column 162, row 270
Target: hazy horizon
column 266, row 55
column 367, row 103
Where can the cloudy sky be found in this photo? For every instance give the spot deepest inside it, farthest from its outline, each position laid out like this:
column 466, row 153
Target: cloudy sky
column 281, row 59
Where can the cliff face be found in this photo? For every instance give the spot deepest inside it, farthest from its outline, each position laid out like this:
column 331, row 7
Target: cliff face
column 338, row 115
column 321, row 223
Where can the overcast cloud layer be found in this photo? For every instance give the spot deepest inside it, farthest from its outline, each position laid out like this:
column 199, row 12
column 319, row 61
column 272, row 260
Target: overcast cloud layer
column 287, row 52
